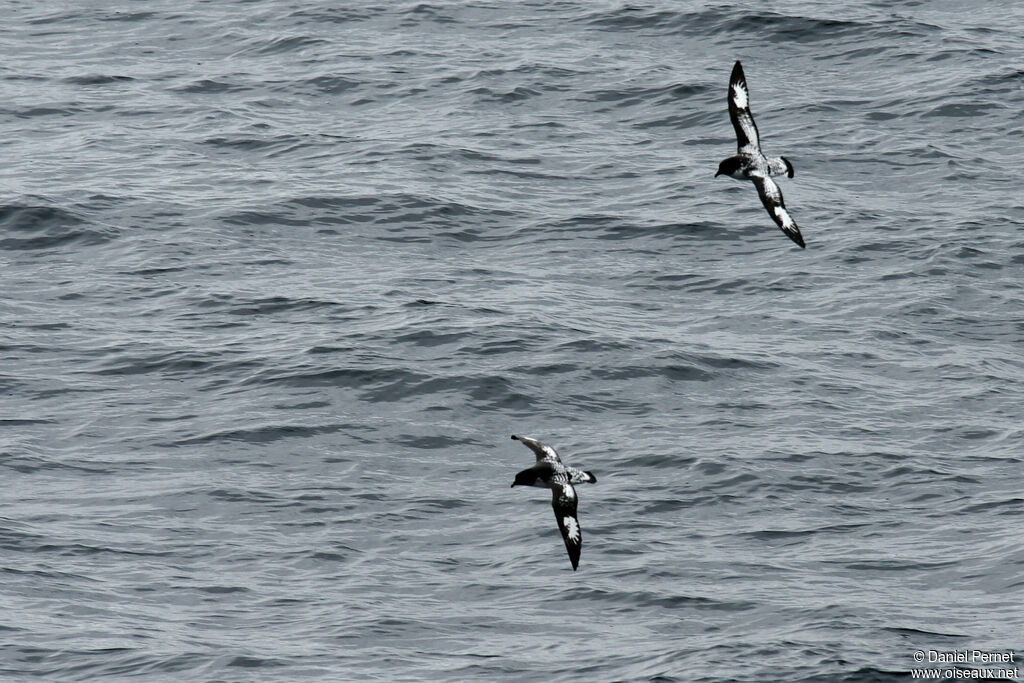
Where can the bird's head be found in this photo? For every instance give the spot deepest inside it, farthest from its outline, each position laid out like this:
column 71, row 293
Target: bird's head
column 728, row 166
column 525, row 478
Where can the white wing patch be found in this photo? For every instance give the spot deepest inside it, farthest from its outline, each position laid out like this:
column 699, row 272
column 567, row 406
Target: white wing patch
column 572, row 529
column 783, row 218
column 739, row 95
column 549, row 452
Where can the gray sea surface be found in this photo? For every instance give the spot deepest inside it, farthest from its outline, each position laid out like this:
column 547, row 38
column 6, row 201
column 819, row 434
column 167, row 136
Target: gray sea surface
column 279, row 279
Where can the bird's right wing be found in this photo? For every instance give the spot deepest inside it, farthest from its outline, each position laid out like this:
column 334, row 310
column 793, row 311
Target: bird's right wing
column 747, row 139
column 541, row 450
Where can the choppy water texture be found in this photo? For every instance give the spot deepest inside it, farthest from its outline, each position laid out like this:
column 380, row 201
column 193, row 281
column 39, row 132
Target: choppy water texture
column 280, row 279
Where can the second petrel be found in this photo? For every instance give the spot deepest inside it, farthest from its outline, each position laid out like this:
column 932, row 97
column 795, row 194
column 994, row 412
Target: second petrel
column 549, row 472
column 750, row 163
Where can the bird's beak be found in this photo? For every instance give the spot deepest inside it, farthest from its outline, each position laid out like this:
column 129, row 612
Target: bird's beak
column 718, row 174
column 513, row 485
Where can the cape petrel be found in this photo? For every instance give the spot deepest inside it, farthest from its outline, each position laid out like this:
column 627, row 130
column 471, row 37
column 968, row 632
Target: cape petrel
column 549, row 472
column 750, row 163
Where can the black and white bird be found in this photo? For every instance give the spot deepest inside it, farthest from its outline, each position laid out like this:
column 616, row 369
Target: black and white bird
column 750, row 163
column 550, row 472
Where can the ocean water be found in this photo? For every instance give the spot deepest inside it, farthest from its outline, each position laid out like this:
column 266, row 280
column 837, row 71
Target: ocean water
column 279, row 279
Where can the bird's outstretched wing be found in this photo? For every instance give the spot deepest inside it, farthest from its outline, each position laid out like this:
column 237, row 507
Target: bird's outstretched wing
column 542, row 450
column 771, row 197
column 563, row 500
column 747, row 139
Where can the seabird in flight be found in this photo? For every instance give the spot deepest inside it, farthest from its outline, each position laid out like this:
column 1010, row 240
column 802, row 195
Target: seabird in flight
column 549, row 472
column 750, row 163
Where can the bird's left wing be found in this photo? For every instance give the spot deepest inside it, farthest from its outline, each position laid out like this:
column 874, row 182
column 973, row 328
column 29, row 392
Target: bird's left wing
column 563, row 500
column 771, row 197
